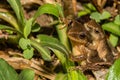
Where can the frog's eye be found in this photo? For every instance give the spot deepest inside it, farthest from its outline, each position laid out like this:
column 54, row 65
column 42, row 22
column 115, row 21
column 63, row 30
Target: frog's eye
column 96, row 31
column 82, row 35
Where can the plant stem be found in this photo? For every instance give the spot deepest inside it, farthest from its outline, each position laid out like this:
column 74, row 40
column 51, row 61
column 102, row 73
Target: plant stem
column 61, row 30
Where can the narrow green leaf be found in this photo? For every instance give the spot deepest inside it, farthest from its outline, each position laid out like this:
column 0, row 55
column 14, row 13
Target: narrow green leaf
column 36, row 27
column 27, row 28
column 28, row 53
column 43, row 52
column 27, row 74
column 24, row 43
column 6, row 71
column 52, row 43
column 117, row 20
column 114, row 71
column 17, row 7
column 10, row 19
column 47, row 9
column 96, row 16
column 111, row 27
column 4, row 27
column 105, row 15
column 113, row 39
column 60, row 56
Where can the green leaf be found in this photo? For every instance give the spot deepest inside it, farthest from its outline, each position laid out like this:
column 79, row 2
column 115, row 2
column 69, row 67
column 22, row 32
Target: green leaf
column 96, row 16
column 10, row 19
column 82, row 13
column 24, row 43
column 53, row 43
column 62, row 35
column 117, row 20
column 105, row 15
column 17, row 7
column 114, row 71
column 36, row 27
column 60, row 56
column 43, row 52
column 27, row 74
column 47, row 9
column 61, row 76
column 90, row 6
column 28, row 53
column 4, row 27
column 60, row 9
column 111, row 27
column 113, row 39
column 6, row 71
column 76, row 75
column 27, row 28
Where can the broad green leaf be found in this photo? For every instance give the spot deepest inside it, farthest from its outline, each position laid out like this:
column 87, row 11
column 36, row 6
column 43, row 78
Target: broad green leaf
column 113, row 39
column 24, row 43
column 111, row 27
column 114, row 71
column 117, row 20
column 96, row 16
column 53, row 43
column 17, row 7
column 27, row 28
column 28, row 53
column 105, row 15
column 10, row 19
column 6, row 71
column 43, row 52
column 27, row 74
column 47, row 9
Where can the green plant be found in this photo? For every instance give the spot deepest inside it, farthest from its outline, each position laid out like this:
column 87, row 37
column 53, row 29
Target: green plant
column 114, row 71
column 43, row 43
column 114, row 29
column 100, row 16
column 87, row 9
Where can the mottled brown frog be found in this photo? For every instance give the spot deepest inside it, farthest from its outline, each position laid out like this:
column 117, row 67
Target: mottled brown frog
column 79, row 39
column 99, row 41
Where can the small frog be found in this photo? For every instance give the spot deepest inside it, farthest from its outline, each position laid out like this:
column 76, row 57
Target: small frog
column 79, row 39
column 99, row 41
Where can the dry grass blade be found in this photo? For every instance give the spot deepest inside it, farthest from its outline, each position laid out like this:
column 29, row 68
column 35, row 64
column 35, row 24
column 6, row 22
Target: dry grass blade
column 21, row 63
